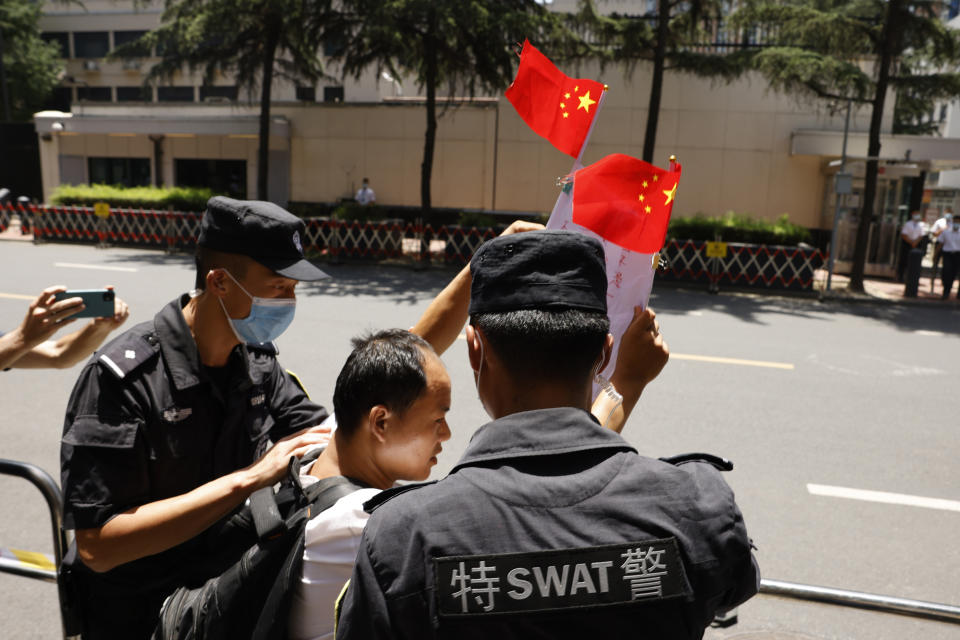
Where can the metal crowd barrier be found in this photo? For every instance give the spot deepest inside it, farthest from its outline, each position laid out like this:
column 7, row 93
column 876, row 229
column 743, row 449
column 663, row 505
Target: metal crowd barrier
column 31, row 564
column 859, row 599
column 42, row 567
column 760, row 266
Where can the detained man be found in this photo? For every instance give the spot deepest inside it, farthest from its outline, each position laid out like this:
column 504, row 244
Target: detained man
column 391, row 400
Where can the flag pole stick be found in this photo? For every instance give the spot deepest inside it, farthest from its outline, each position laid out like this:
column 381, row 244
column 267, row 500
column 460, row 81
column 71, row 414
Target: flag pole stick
column 577, row 164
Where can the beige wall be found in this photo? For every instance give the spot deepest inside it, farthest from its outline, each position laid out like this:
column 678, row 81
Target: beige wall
column 733, row 142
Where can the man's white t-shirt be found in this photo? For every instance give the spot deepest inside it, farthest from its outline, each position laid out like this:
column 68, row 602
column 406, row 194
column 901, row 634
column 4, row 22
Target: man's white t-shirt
column 914, row 230
column 939, row 225
column 331, row 541
column 365, row 195
column 951, row 239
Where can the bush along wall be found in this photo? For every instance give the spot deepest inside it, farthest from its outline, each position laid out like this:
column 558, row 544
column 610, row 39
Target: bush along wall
column 734, row 227
column 158, row 198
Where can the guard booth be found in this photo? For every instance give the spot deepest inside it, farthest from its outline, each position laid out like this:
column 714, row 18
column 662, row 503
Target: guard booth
column 911, row 173
column 896, row 190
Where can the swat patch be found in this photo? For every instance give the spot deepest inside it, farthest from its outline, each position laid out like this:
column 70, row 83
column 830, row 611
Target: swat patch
column 511, row 583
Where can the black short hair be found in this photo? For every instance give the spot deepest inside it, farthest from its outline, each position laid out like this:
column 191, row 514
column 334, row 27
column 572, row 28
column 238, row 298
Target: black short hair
column 385, row 368
column 556, row 345
column 207, row 259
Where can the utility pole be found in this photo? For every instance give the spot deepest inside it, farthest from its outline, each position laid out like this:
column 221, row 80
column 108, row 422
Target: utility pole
column 841, row 189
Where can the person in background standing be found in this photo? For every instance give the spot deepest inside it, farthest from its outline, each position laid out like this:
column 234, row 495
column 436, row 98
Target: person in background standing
column 935, row 230
column 912, row 235
column 950, row 238
column 365, row 194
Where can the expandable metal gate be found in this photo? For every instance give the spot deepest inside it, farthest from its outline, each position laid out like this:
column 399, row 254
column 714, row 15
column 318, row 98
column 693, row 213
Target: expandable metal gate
column 42, row 567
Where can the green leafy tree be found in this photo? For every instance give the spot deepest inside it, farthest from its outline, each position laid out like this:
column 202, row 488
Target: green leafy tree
column 857, row 50
column 672, row 38
column 462, row 47
column 29, row 67
column 253, row 41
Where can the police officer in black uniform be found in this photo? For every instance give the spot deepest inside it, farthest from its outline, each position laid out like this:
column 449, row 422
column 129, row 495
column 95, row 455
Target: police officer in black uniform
column 549, row 526
column 170, row 425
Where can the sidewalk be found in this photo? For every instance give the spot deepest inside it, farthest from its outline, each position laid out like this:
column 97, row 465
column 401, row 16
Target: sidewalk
column 884, row 290
column 14, row 232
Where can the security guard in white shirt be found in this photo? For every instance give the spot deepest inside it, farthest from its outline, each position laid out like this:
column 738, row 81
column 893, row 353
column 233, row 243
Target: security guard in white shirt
column 912, row 236
column 951, row 256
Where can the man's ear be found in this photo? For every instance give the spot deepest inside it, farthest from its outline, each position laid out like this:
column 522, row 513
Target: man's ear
column 474, row 349
column 607, row 352
column 216, row 282
column 377, row 419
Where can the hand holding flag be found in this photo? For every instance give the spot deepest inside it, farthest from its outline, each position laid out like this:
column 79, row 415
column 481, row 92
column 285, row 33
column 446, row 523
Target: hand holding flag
column 626, row 204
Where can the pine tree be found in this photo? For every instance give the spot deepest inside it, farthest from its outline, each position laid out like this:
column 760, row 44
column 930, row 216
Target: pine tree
column 250, row 40
column 29, row 67
column 671, row 39
column 462, row 47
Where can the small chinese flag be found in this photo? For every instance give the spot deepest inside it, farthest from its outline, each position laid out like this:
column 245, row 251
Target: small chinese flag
column 556, row 106
column 626, row 201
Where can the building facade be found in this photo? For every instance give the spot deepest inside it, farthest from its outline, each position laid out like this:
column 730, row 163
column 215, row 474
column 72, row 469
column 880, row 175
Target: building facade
column 743, row 147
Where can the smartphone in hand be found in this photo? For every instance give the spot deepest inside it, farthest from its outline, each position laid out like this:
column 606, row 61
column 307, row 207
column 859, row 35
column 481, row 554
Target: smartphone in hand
column 99, row 303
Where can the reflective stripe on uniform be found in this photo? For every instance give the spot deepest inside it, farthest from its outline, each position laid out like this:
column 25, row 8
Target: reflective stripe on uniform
column 338, row 606
column 29, row 559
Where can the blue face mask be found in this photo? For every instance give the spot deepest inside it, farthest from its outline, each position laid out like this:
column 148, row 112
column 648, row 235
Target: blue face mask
column 269, row 317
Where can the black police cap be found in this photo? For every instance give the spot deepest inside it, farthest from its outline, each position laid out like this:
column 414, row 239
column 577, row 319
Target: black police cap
column 261, row 230
column 548, row 269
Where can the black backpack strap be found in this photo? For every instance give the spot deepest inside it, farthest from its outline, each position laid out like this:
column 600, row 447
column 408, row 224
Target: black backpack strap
column 322, row 495
column 266, row 514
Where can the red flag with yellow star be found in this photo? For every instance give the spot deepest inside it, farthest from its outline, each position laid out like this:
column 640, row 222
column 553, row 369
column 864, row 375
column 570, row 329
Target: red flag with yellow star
column 626, row 201
column 554, row 105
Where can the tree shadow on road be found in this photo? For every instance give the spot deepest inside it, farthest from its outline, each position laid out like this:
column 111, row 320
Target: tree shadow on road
column 406, row 285
column 763, row 308
column 403, row 283
column 753, row 308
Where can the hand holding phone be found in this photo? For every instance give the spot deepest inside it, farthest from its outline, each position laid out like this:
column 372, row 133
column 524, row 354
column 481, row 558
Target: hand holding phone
column 98, row 303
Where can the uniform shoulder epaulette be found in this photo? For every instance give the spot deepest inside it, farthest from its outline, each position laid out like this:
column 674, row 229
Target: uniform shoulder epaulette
column 125, row 354
column 265, row 348
column 389, row 494
column 719, row 463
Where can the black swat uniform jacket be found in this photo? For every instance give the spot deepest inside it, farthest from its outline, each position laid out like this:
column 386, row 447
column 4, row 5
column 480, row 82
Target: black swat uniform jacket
column 551, row 527
column 146, row 421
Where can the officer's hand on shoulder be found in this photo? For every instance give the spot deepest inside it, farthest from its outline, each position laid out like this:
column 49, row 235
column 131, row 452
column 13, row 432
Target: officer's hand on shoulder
column 273, row 465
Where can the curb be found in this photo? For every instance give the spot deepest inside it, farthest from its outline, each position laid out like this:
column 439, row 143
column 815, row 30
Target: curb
column 816, row 295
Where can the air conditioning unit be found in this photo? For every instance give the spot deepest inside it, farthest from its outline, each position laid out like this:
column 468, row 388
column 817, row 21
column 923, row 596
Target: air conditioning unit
column 91, row 65
column 132, row 65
